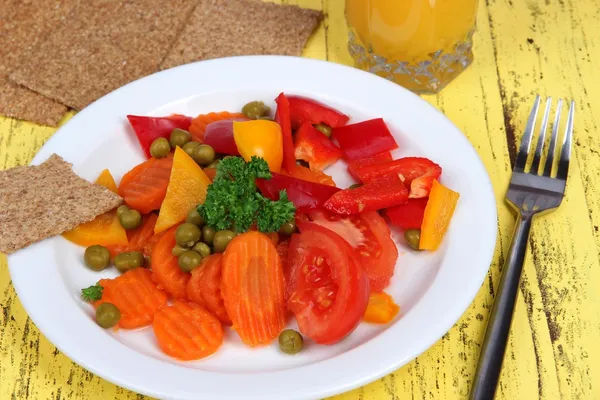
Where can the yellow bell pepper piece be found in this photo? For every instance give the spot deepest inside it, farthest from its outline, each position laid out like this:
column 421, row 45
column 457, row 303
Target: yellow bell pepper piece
column 260, row 138
column 438, row 213
column 187, row 188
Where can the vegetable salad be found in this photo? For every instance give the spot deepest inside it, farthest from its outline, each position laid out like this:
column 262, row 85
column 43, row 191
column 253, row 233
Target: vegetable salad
column 233, row 221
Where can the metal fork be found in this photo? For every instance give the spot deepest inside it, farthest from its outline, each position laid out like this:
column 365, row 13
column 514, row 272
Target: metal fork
column 530, row 192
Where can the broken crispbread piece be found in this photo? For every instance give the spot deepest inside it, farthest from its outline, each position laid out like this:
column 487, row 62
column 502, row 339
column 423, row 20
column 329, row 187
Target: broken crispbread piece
column 37, row 202
column 222, row 28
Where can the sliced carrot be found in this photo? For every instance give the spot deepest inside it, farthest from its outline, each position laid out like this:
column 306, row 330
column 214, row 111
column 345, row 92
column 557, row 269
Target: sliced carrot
column 198, row 126
column 136, row 296
column 306, row 174
column 145, row 186
column 438, row 213
column 165, row 270
column 282, row 249
column 139, row 237
column 211, row 173
column 187, row 331
column 381, row 308
column 105, row 229
column 204, row 287
column 253, row 288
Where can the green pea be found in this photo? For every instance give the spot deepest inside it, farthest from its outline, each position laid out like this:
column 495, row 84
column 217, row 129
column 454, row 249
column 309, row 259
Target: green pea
column 189, row 260
column 178, row 250
column 97, row 257
column 288, row 228
column 107, row 315
column 179, row 137
column 324, row 129
column 204, row 154
column 121, row 210
column 160, row 148
column 221, row 240
column 187, row 234
column 290, row 341
column 213, row 164
column 195, row 218
column 255, row 109
column 413, row 238
column 355, row 186
column 202, row 248
column 208, row 234
column 130, row 219
column 129, row 260
column 189, row 148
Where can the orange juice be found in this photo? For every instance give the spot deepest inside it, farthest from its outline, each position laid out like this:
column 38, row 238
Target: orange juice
column 421, row 44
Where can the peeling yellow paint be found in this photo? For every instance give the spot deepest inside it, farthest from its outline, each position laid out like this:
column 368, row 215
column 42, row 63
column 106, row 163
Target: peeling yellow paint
column 522, row 48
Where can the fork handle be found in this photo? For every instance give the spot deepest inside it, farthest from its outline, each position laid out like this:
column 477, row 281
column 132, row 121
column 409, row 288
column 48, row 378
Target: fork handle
column 498, row 328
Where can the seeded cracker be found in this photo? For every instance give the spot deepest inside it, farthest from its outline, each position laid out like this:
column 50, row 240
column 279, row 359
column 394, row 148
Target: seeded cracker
column 105, row 45
column 23, row 25
column 37, row 202
column 221, row 28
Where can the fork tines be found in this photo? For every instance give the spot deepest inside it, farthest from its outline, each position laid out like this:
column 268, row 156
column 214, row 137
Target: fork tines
column 565, row 153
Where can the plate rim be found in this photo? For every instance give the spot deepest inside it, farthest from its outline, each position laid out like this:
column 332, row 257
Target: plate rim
column 324, row 388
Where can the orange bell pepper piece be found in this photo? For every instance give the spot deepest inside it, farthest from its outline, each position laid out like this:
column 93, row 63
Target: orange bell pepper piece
column 105, row 229
column 187, row 188
column 260, row 138
column 438, row 213
column 381, row 308
column 307, row 174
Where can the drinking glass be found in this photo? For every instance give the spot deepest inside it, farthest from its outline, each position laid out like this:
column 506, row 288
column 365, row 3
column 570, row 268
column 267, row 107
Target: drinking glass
column 420, row 44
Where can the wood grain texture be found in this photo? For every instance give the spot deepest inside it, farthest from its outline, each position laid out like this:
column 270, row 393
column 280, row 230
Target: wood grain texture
column 522, row 48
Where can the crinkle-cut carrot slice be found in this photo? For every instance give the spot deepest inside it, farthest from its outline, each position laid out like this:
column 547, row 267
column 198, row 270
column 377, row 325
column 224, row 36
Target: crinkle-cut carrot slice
column 165, row 269
column 204, row 287
column 198, row 126
column 145, row 186
column 253, row 288
column 136, row 296
column 141, row 238
column 187, row 331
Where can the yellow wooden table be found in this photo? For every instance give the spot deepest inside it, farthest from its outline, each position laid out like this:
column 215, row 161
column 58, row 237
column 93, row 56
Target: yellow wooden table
column 522, row 47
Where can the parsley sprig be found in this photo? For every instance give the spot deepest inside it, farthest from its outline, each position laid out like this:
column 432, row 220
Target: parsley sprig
column 233, row 202
column 92, row 293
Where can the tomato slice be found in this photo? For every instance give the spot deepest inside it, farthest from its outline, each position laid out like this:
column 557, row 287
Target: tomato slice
column 329, row 290
column 369, row 235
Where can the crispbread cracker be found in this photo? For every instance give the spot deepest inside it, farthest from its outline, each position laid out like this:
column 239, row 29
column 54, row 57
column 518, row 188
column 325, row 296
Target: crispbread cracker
column 221, row 28
column 105, row 45
column 23, row 25
column 37, row 202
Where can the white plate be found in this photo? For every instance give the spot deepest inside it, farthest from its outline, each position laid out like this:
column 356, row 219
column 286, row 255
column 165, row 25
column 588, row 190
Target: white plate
column 432, row 289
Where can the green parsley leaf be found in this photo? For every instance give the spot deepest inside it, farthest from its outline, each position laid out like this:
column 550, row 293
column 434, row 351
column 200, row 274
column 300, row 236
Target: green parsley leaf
column 233, row 202
column 92, row 293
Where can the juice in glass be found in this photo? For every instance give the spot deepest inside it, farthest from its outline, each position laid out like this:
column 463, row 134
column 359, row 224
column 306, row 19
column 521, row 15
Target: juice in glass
column 420, row 44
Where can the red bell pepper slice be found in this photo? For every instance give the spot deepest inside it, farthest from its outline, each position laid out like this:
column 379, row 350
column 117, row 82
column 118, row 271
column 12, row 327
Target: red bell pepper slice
column 282, row 117
column 409, row 215
column 418, row 173
column 219, row 136
column 315, row 148
column 364, row 139
column 305, row 195
column 148, row 129
column 306, row 110
column 380, row 158
column 387, row 191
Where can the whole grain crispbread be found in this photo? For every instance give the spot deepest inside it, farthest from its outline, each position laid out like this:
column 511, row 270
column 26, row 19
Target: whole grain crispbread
column 37, row 202
column 222, row 28
column 105, row 45
column 23, row 25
